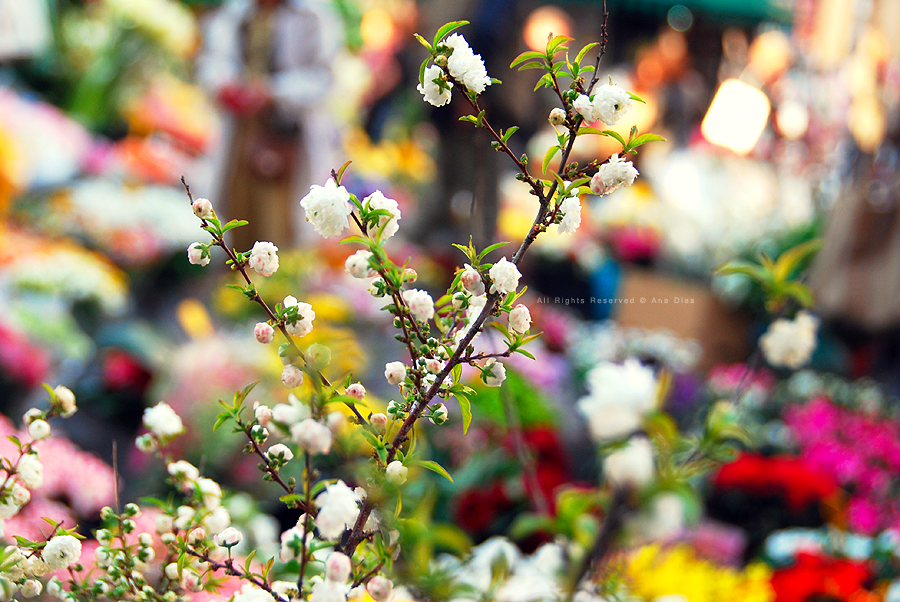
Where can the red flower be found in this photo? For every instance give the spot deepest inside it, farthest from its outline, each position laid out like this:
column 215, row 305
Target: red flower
column 790, row 478
column 818, row 575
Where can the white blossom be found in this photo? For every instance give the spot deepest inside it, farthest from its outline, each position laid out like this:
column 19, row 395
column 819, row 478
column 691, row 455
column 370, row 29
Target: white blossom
column 216, row 521
column 291, row 376
column 612, row 102
column 570, row 208
column 495, row 373
column 520, row 319
column 434, row 365
column 328, row 208
column 357, row 265
column 432, row 92
column 390, row 225
column 291, row 541
column 39, row 429
column 252, row 593
column 395, row 372
column 228, row 537
column 210, row 492
column 378, row 420
column 790, row 343
column 197, row 254
column 396, row 473
column 619, row 396
column 612, row 175
column 289, row 413
column 465, row 66
column 631, row 465
column 264, row 258
column 263, row 332
column 31, row 588
column 504, row 277
column 584, row 107
column 303, row 325
column 337, row 510
column 61, row 551
column 329, row 591
column 31, row 470
column 420, row 303
column 162, row 421
column 203, row 209
column 337, row 567
column 312, row 436
column 66, row 400
column 356, row 390
column 183, row 470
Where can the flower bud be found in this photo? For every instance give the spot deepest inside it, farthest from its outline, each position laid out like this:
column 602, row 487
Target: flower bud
column 259, row 433
column 198, row 254
column 472, row 282
column 228, row 538
column 459, row 299
column 263, row 332
column 410, row 275
column 32, row 415
column 380, row 588
column 132, row 510
column 396, row 473
column 292, row 377
column 203, row 209
column 279, row 454
column 395, row 372
column 196, row 536
column 434, row 366
column 379, row 421
column 39, row 429
column 65, row 400
column 439, row 415
column 318, row 356
column 337, row 567
column 557, row 116
column 356, row 390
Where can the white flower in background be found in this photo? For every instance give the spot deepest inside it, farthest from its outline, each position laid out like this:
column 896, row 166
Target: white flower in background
column 183, row 470
column 197, row 255
column 292, row 376
column 263, row 332
column 619, row 396
column 557, row 116
column 312, row 436
column 252, row 593
column 504, row 276
column 377, row 200
column 337, row 567
column 496, row 373
column 228, row 537
column 612, row 102
column 471, row 281
column 203, row 209
column 356, row 390
column 328, row 208
column 432, row 92
column 286, row 589
column 465, row 66
column 379, row 420
column 61, row 552
column 66, row 400
column 395, row 372
column 665, row 519
column 264, row 258
column 420, row 303
column 337, row 510
column 612, row 175
column 357, row 265
column 218, row 520
column 162, row 421
column 632, row 465
column 520, row 319
column 790, row 343
column 291, row 541
column 39, row 429
column 396, row 473
column 31, row 588
column 570, row 208
column 210, row 492
column 31, row 470
column 380, row 588
column 289, row 413
column 329, row 591
column 434, row 365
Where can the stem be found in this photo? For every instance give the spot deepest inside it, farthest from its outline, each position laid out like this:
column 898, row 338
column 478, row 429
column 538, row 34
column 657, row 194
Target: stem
column 526, row 460
column 611, row 526
column 229, row 569
column 307, row 478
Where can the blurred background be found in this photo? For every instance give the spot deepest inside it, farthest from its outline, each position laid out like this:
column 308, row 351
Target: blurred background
column 782, row 120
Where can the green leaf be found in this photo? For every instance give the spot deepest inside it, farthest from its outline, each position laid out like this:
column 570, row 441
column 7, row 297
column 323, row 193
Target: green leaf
column 551, row 152
column 751, row 270
column 532, row 66
column 525, row 353
column 583, row 52
column 471, row 119
column 435, row 467
column 527, row 56
column 789, row 260
column 589, row 130
column 493, row 247
column 512, row 130
column 447, row 29
column 644, row 139
column 220, row 421
column 234, row 224
column 546, row 81
column 424, row 43
column 616, row 135
column 291, row 500
column 340, row 172
column 422, row 70
column 465, row 407
column 553, row 46
column 527, row 524
column 637, row 98
column 800, row 293
column 357, row 239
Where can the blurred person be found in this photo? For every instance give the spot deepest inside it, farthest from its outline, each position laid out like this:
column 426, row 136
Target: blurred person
column 268, row 63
